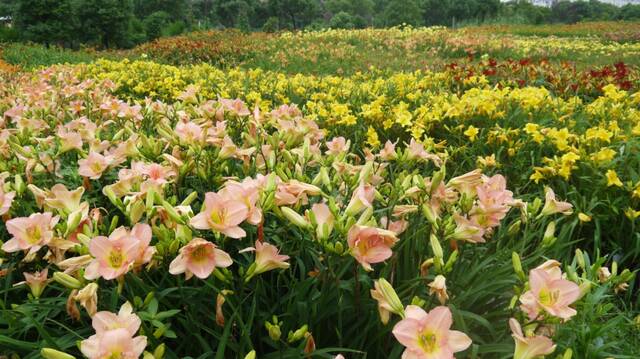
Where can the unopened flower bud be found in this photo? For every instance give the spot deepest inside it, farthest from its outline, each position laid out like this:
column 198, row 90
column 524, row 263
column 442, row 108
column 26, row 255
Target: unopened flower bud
column 436, row 247
column 298, row 334
column 294, row 217
column 517, row 265
column 67, row 280
column 49, row 353
column 274, row 331
column 159, row 352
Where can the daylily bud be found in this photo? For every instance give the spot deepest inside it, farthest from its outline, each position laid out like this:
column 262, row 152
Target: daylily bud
column 568, row 354
column 114, row 223
column 173, row 214
column 190, row 198
column 535, row 206
column 67, row 280
column 549, row 238
column 390, row 296
column 429, row 214
column 437, row 179
column 338, row 248
column 19, row 185
column 111, row 195
column 365, row 172
column 251, row 355
column 298, row 334
column 294, row 217
column 73, row 221
column 514, row 228
column 365, row 216
column 274, row 331
column 159, row 352
column 150, row 200
column 136, row 209
column 517, row 265
column 417, row 301
column 451, row 261
column 580, row 259
column 49, row 353
column 584, row 218
column 436, row 247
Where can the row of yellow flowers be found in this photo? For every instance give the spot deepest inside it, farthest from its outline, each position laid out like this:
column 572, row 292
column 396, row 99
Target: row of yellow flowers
column 565, row 133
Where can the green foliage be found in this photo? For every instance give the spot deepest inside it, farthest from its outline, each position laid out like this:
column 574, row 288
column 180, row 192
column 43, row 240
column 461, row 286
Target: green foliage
column 117, row 23
column 398, row 12
column 271, row 25
column 154, row 24
column 106, row 22
column 32, row 56
column 46, row 21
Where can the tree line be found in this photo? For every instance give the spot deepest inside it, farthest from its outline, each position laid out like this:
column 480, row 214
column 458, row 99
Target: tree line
column 125, row 23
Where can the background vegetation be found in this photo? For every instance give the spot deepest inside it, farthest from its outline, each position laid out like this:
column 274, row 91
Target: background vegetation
column 125, row 23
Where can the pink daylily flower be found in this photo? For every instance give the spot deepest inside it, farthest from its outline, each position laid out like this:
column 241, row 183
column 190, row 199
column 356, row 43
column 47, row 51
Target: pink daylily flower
column 30, row 233
column 428, row 335
column 337, row 146
column 294, row 191
column 324, row 220
column 370, row 245
column 529, row 347
column 115, row 343
column 416, row 150
column 268, row 258
column 553, row 206
column 94, row 165
column 248, row 193
column 36, row 281
column 106, row 321
column 199, row 257
column 62, row 199
column 361, row 199
column 221, row 215
column 549, row 292
column 153, row 172
column 388, row 152
column 189, row 132
column 468, row 230
column 116, row 255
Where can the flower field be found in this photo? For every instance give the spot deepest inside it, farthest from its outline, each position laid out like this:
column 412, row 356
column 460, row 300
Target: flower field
column 400, row 193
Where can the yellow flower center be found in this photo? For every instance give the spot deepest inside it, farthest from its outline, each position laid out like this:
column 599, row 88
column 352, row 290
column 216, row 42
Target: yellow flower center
column 199, row 254
column 428, row 342
column 218, row 216
column 548, row 297
column 96, row 167
column 116, row 258
column 34, row 234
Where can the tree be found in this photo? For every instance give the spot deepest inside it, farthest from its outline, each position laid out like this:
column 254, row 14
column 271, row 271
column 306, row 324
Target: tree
column 46, row 21
column 398, row 12
column 106, row 22
column 295, row 14
column 436, row 12
column 154, row 23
